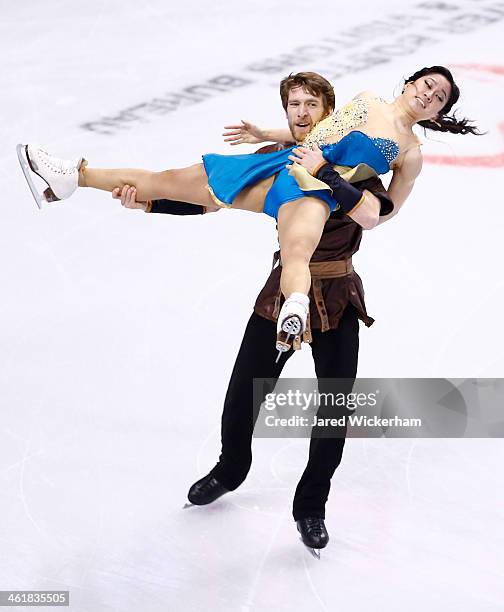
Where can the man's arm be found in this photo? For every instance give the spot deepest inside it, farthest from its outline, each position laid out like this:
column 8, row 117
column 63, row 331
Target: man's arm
column 360, row 205
column 367, row 212
column 173, row 207
column 169, row 207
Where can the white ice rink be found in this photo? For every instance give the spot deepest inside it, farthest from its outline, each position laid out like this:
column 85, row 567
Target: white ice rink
column 119, row 329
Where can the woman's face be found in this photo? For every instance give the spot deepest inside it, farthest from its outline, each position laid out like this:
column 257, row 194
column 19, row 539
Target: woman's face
column 427, row 95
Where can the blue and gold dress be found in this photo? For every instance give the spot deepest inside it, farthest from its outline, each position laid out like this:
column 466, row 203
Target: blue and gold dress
column 354, row 154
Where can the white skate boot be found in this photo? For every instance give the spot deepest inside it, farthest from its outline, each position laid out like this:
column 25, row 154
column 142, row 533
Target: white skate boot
column 60, row 175
column 291, row 321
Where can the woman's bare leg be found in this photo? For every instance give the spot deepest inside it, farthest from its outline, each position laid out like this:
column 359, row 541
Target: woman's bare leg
column 184, row 184
column 300, row 226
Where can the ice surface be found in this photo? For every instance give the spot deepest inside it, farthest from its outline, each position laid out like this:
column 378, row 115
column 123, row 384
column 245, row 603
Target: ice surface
column 119, row 330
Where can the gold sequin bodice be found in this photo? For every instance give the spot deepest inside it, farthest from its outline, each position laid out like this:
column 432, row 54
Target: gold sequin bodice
column 370, row 116
column 333, row 128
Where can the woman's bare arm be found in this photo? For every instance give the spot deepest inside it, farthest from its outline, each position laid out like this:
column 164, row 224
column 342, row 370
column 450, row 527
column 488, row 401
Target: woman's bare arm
column 403, row 180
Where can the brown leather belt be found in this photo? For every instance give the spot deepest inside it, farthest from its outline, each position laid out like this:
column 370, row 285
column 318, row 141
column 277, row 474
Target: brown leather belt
column 331, row 269
column 323, row 269
column 319, row 271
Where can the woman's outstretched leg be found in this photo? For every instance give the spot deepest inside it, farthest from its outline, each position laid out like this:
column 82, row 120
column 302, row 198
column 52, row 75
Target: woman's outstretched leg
column 63, row 176
column 300, row 226
column 183, row 184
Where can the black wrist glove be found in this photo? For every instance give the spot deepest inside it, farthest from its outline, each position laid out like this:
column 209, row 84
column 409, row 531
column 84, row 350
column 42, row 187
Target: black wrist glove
column 172, row 207
column 344, row 193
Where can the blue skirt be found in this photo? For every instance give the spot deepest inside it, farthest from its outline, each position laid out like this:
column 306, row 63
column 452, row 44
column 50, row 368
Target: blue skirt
column 229, row 174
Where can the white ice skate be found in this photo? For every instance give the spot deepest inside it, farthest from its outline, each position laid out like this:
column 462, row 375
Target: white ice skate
column 60, row 175
column 291, row 321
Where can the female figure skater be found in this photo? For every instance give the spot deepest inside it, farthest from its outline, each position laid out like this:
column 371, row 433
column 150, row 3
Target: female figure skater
column 367, row 136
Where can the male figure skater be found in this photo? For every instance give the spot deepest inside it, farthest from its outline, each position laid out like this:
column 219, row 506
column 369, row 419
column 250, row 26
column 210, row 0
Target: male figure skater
column 337, row 304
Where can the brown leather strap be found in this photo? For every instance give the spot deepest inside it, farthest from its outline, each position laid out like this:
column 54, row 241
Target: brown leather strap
column 331, row 269
column 276, row 259
column 319, row 271
column 323, row 269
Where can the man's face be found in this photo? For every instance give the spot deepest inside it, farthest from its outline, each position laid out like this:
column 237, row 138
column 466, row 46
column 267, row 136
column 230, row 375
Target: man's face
column 303, row 111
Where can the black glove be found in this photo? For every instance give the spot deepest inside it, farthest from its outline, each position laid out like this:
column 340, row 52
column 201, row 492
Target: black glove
column 345, row 194
column 172, row 207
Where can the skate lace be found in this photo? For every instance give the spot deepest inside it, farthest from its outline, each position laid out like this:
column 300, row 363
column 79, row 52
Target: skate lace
column 210, row 484
column 61, row 166
column 289, row 311
column 315, row 526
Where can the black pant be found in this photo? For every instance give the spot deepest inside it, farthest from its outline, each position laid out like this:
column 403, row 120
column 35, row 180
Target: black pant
column 335, row 355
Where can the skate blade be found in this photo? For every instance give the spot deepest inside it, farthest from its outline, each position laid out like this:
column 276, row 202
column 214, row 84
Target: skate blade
column 283, row 344
column 24, row 161
column 187, row 505
column 315, row 552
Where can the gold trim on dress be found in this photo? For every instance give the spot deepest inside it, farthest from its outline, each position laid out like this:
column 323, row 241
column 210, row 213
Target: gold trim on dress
column 307, row 182
column 216, row 199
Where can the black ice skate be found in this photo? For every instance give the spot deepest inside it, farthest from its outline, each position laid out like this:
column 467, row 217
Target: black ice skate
column 314, row 534
column 205, row 491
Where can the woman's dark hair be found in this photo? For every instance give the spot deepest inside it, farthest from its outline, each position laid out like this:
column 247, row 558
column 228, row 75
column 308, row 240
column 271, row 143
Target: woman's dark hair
column 445, row 122
column 313, row 83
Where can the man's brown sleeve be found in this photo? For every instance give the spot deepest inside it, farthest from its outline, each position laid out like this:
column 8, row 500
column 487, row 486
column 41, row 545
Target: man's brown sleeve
column 271, row 148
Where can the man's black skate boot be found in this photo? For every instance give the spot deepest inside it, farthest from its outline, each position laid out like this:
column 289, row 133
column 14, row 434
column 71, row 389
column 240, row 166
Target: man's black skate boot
column 206, row 490
column 313, row 532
